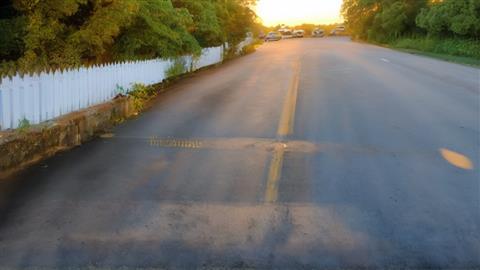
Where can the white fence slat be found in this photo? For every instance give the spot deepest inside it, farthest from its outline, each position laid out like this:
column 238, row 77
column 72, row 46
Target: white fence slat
column 17, row 101
column 5, row 92
column 1, row 109
column 36, row 100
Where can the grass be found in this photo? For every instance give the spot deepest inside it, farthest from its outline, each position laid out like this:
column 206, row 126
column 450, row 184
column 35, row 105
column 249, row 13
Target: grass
column 463, row 51
column 446, row 57
column 141, row 94
column 178, row 68
column 23, row 125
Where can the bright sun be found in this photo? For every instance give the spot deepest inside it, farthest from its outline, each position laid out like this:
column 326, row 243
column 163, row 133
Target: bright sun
column 294, row 12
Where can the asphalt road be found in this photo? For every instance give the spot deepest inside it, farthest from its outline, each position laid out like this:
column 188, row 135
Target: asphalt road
column 312, row 153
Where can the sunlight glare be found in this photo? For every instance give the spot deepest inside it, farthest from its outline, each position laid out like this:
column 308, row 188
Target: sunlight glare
column 457, row 159
column 274, row 12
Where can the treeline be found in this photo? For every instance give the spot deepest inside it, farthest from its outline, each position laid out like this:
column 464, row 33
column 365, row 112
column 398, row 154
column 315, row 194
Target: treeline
column 66, row 33
column 426, row 22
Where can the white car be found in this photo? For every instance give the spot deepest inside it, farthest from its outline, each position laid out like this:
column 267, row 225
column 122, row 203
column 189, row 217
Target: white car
column 299, row 33
column 338, row 30
column 318, row 33
column 286, row 33
column 273, row 36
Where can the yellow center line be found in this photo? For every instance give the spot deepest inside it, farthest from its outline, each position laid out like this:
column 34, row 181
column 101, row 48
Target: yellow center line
column 287, row 118
column 285, row 128
column 274, row 174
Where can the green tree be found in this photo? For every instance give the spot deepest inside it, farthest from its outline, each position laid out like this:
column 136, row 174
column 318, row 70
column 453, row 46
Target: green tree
column 66, row 33
column 236, row 19
column 381, row 20
column 12, row 32
column 63, row 33
column 206, row 25
column 458, row 17
column 159, row 30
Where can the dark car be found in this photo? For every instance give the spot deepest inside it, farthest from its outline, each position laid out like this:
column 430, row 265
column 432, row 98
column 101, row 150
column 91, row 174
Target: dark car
column 273, row 36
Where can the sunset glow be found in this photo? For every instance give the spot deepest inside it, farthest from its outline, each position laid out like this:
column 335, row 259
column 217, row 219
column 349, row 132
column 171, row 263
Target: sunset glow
column 273, row 12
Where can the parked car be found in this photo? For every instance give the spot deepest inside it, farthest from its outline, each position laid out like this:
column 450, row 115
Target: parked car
column 286, row 33
column 299, row 33
column 339, row 30
column 273, row 36
column 318, row 33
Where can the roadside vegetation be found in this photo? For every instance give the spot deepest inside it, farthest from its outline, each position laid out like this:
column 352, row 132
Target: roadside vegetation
column 56, row 34
column 448, row 28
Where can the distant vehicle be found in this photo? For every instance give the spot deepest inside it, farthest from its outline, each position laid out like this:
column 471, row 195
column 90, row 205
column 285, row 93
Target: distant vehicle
column 318, row 33
column 273, row 36
column 299, row 33
column 286, row 33
column 339, row 30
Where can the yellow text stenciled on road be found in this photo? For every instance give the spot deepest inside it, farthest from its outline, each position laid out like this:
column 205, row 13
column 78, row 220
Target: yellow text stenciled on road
column 174, row 143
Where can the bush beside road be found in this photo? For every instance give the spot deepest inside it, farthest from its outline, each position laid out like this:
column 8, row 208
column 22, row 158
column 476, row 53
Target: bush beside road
column 448, row 29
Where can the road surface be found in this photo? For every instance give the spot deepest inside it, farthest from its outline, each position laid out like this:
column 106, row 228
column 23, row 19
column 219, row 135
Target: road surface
column 311, row 153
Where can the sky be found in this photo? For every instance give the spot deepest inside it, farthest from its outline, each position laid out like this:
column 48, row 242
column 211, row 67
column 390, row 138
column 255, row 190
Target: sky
column 294, row 12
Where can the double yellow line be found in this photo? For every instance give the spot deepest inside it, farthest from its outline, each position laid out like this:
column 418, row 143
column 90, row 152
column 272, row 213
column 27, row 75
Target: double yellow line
column 285, row 128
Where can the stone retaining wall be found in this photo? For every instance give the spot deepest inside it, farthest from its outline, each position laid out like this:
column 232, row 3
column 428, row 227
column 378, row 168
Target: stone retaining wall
column 21, row 148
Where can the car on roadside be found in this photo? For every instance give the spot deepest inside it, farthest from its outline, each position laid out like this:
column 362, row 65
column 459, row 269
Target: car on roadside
column 273, row 36
column 286, row 33
column 338, row 31
column 299, row 33
column 318, row 33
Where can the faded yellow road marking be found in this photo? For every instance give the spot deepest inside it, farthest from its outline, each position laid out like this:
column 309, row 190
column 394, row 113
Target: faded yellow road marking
column 287, row 118
column 107, row 135
column 274, row 174
column 285, row 128
column 457, row 159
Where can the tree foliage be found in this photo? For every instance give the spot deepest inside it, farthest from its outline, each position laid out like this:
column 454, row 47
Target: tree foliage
column 12, row 32
column 459, row 17
column 206, row 30
column 158, row 30
column 383, row 20
column 63, row 33
column 66, row 33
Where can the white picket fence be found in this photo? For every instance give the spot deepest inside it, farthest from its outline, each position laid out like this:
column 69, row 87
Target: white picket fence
column 244, row 43
column 44, row 96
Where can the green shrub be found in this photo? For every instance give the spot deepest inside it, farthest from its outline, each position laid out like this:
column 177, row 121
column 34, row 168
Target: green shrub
column 140, row 94
column 178, row 68
column 451, row 46
column 23, row 125
column 252, row 47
